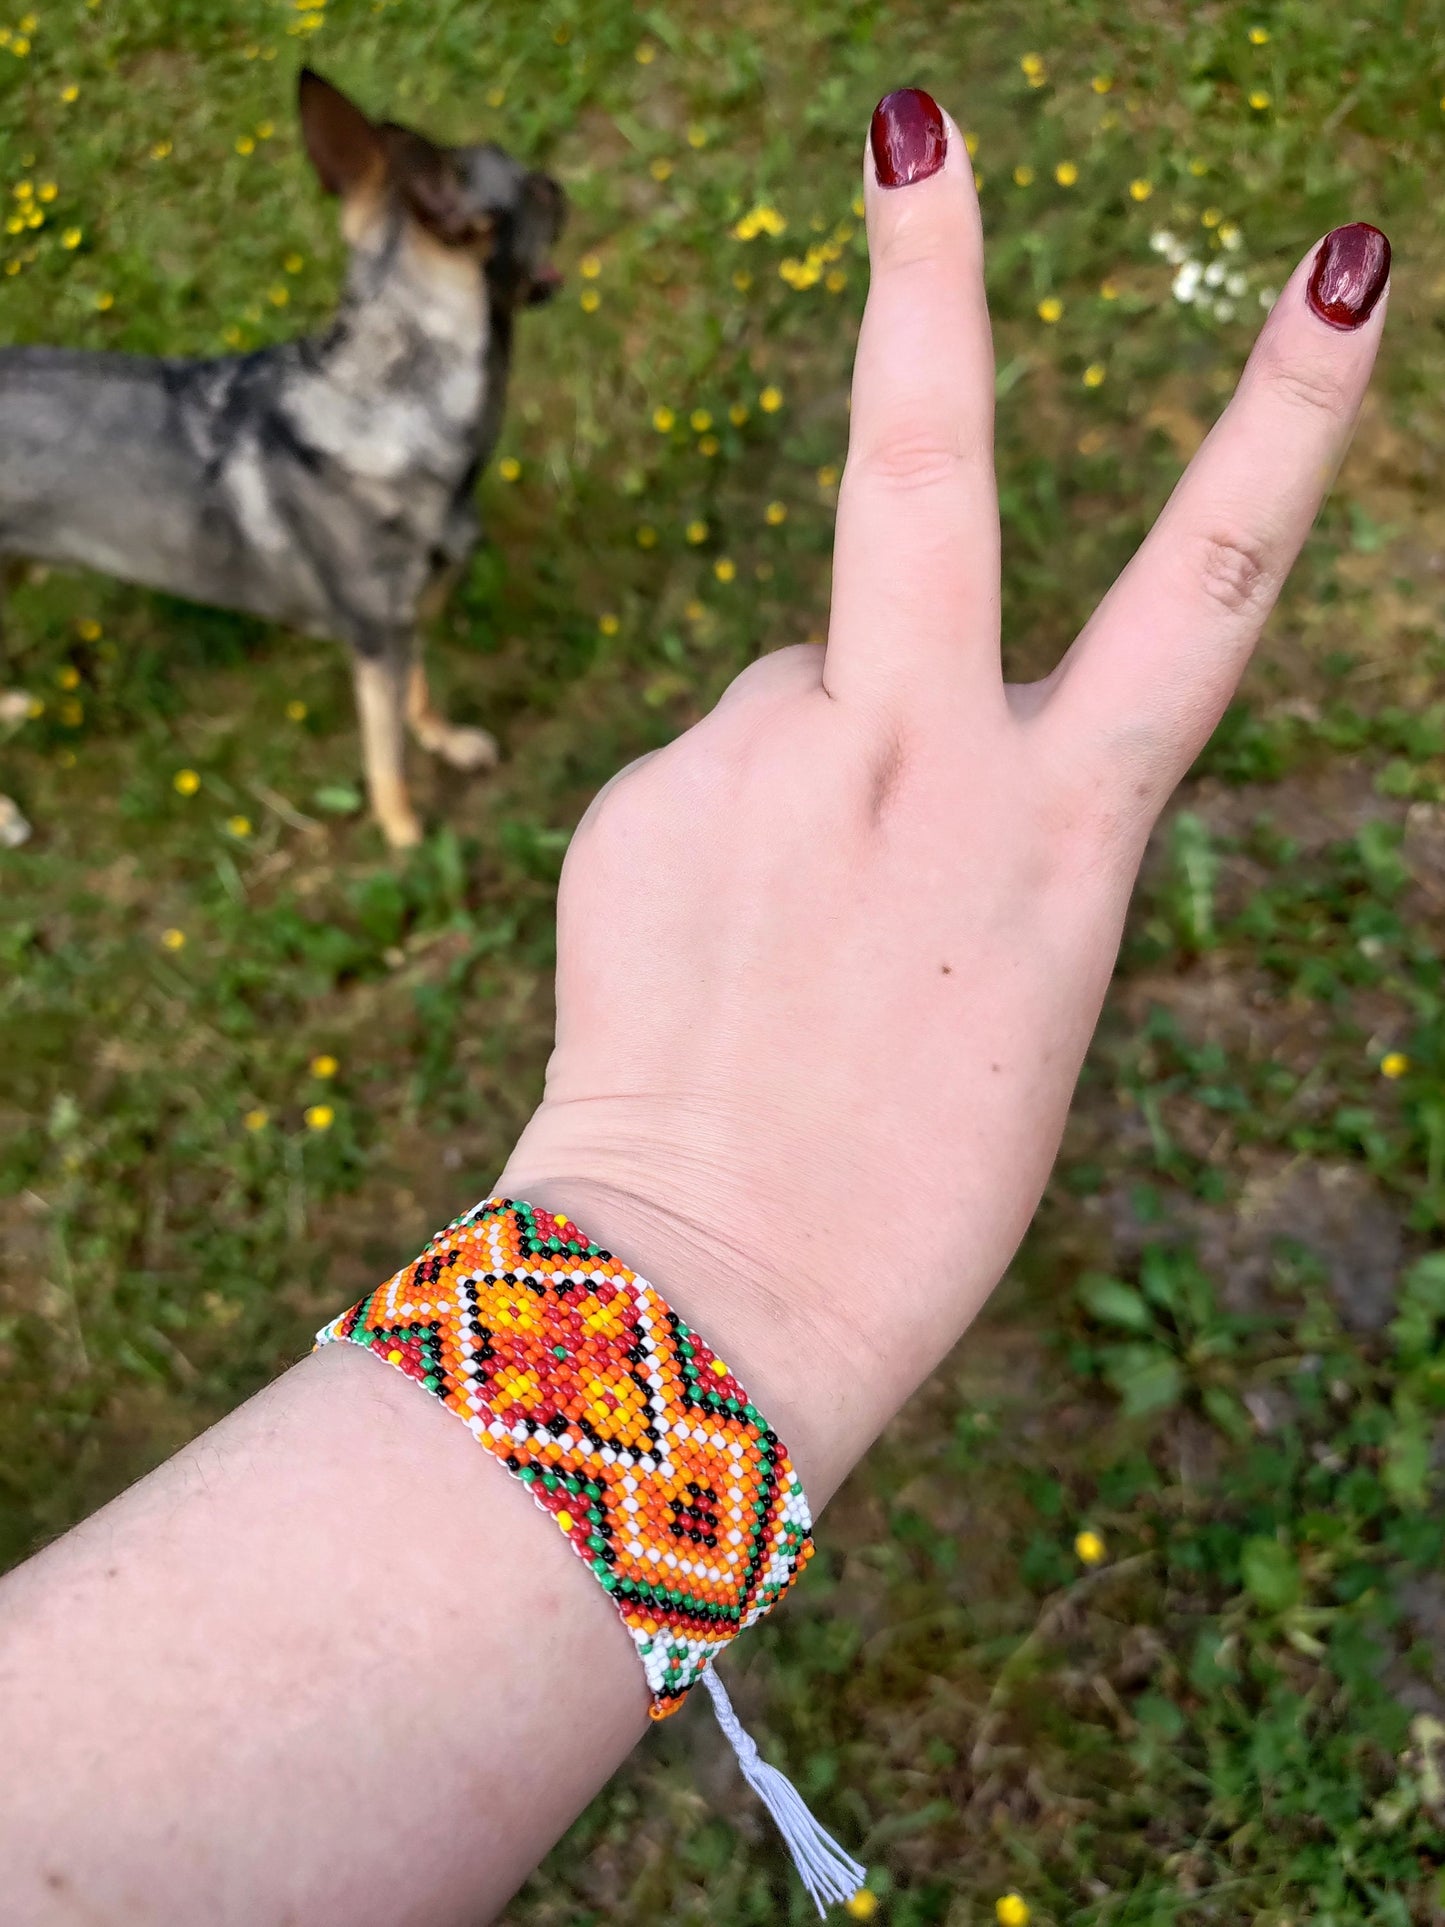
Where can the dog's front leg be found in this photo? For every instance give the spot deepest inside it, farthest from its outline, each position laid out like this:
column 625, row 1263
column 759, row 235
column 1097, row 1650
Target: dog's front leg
column 455, row 743
column 14, row 708
column 381, row 680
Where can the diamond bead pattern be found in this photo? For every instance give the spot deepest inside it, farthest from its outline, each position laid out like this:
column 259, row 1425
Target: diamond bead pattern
column 627, row 1429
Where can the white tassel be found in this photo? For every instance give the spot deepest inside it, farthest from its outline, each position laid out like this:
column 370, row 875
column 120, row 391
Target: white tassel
column 829, row 1874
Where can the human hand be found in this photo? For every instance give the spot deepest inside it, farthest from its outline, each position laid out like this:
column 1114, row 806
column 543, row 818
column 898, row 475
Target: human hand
column 829, row 963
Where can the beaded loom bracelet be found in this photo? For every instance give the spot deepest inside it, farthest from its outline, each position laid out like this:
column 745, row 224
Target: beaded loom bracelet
column 631, row 1433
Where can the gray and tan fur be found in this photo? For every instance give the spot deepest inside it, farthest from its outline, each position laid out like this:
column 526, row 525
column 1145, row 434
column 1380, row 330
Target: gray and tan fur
column 328, row 483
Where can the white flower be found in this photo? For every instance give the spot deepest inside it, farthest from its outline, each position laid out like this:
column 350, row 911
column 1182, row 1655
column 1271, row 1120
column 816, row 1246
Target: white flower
column 1230, row 237
column 1224, row 311
column 1214, row 274
column 1186, row 283
column 1267, row 298
column 1235, row 284
column 1167, row 244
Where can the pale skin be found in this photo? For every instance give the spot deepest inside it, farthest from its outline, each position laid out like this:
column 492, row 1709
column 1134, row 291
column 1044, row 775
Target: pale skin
column 828, row 966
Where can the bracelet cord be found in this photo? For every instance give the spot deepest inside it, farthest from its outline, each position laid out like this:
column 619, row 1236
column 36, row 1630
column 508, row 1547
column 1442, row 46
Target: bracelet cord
column 632, row 1435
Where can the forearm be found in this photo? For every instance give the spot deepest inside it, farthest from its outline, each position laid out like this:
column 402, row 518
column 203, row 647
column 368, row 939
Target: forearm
column 327, row 1664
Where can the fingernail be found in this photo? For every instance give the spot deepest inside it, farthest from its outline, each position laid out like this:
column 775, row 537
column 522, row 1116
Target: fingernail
column 1349, row 274
column 909, row 137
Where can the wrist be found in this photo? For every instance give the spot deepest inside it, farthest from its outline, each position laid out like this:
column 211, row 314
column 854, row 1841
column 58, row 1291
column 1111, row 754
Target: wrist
column 741, row 1293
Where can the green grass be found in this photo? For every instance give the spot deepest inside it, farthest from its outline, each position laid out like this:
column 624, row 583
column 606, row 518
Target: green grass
column 1222, row 1345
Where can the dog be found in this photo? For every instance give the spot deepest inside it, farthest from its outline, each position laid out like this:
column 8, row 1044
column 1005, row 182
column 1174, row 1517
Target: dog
column 326, row 484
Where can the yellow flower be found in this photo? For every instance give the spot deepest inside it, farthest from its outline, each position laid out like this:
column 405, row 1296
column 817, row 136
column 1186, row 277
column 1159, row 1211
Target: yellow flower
column 697, row 137
column 35, row 707
column 836, row 281
column 1108, row 291
column 1090, row 1548
column 46, row 191
column 71, row 238
column 105, row 301
column 69, row 677
column 1140, row 190
column 319, row 1117
column 1259, row 100
column 232, row 335
column 1101, row 83
column 1050, row 308
column 161, row 151
column 14, row 224
column 279, row 295
column 724, row 569
column 590, row 266
column 1211, row 217
column 256, row 1120
column 1012, row 1910
column 700, row 421
column 1198, row 167
column 646, row 53
column 239, row 825
column 970, row 141
column 738, row 413
column 661, row 168
column 174, row 939
column 1094, row 374
column 663, row 420
column 70, row 93
column 71, row 713
column 324, row 1066
column 1066, row 173
column 294, row 263
column 775, row 514
column 1228, row 233
column 863, row 1905
column 742, row 280
column 647, row 536
column 709, row 445
column 770, row 400
column 1032, row 65
column 24, row 190
column 20, row 46
column 88, row 629
column 1259, row 36
column 14, row 266
column 696, row 532
column 509, row 468
column 296, row 710
column 694, row 611
column 29, row 22
column 827, row 476
column 1394, row 1064
column 185, row 782
column 1023, row 176
column 245, row 144
column 857, row 206
column 608, row 625
column 495, row 96
column 589, row 301
column 35, row 218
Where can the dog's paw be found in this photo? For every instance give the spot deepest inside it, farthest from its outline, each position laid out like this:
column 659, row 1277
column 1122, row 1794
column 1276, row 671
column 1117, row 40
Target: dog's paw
column 402, row 830
column 468, row 748
column 14, row 830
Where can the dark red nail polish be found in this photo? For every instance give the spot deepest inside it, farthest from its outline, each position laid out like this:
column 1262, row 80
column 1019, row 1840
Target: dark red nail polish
column 909, row 137
column 1349, row 274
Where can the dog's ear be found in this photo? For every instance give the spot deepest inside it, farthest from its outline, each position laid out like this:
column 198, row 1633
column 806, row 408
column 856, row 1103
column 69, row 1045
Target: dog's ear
column 431, row 184
column 346, row 150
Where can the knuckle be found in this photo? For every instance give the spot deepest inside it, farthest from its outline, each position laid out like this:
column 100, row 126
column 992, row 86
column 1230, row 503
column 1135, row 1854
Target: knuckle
column 908, row 456
column 1312, row 385
column 1235, row 572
